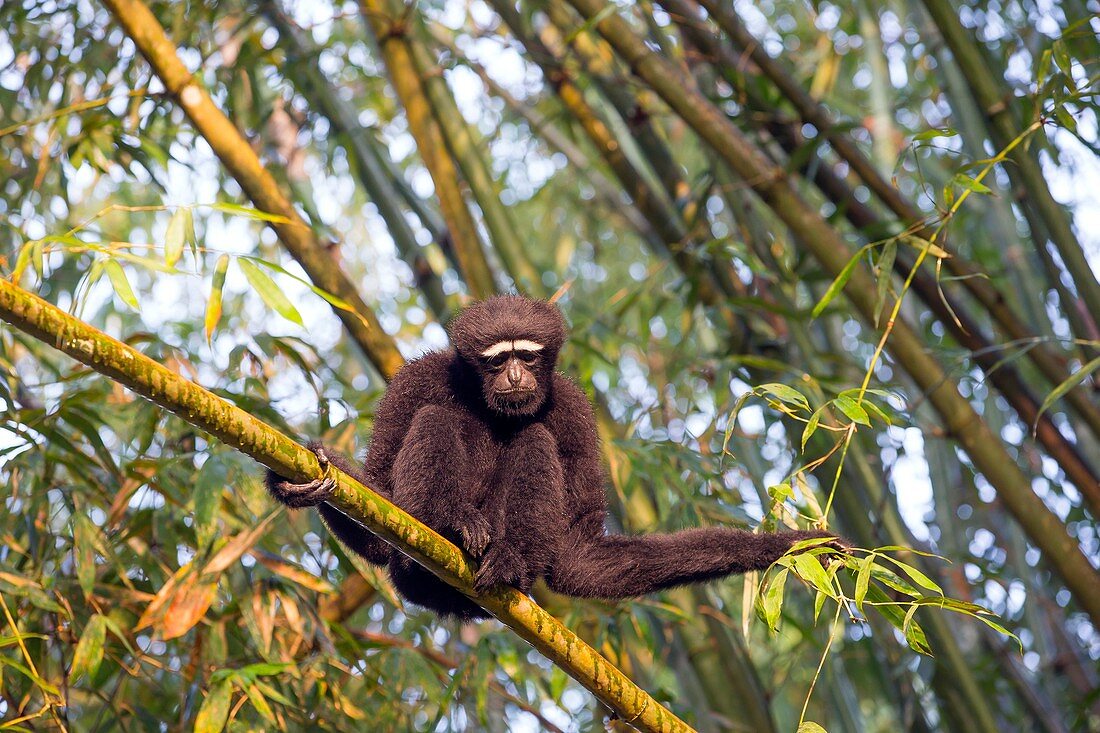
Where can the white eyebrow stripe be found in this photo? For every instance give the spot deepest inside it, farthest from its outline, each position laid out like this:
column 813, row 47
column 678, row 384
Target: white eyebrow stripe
column 518, row 345
column 498, row 348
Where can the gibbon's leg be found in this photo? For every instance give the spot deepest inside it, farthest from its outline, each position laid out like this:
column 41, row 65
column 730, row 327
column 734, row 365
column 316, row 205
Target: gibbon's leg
column 596, row 565
column 433, row 480
column 529, row 512
column 355, row 536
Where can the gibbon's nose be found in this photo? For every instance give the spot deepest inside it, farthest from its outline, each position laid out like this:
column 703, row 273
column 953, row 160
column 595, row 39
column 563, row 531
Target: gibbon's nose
column 515, row 373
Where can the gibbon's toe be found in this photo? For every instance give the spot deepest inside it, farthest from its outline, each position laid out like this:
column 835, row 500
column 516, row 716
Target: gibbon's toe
column 299, row 496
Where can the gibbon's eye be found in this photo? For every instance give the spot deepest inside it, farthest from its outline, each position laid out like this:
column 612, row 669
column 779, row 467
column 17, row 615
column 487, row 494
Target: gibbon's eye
column 499, row 360
column 528, row 357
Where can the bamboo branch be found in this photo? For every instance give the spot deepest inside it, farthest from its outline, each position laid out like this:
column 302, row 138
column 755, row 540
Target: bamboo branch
column 1062, row 552
column 469, row 154
column 238, row 157
column 389, row 33
column 254, row 438
column 542, row 127
column 370, row 169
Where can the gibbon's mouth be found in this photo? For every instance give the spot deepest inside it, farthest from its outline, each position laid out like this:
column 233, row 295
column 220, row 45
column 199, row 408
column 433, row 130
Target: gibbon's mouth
column 514, row 394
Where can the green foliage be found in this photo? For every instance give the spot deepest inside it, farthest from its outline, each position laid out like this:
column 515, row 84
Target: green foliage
column 146, row 577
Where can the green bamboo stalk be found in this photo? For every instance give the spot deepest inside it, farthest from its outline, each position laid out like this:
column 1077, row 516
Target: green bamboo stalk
column 469, row 154
column 242, row 431
column 579, row 161
column 634, row 114
column 638, row 112
column 1004, row 128
column 880, row 92
column 771, row 183
column 238, row 157
column 372, row 174
column 388, row 30
column 598, row 63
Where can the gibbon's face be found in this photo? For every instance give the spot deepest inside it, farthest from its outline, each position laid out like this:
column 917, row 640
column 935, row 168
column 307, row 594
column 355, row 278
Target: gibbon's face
column 512, row 343
column 511, row 376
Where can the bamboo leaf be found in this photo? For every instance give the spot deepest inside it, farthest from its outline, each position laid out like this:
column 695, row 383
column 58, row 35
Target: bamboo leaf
column 30, row 253
column 259, row 702
column 914, row 634
column 209, row 485
column 188, row 606
column 251, row 213
column 84, row 533
column 916, row 575
column 269, row 292
column 214, row 302
column 863, row 579
column 885, row 274
column 119, row 282
column 175, row 236
column 838, row 284
column 329, row 297
column 295, row 574
column 13, row 584
column 215, row 708
column 893, row 580
column 1058, row 392
column 1000, row 629
column 934, row 133
column 852, row 409
column 920, row 243
column 784, row 393
column 809, row 569
column 771, row 603
column 811, row 426
column 89, row 650
column 964, row 181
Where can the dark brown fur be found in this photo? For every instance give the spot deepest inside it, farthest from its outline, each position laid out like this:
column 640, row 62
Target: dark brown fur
column 517, row 485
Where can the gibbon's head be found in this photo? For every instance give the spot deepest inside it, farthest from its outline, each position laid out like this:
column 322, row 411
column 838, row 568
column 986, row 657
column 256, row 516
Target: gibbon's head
column 512, row 342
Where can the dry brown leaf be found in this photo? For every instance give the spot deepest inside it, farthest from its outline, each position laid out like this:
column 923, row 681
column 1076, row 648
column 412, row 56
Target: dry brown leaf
column 161, row 598
column 295, row 574
column 235, row 548
column 189, row 604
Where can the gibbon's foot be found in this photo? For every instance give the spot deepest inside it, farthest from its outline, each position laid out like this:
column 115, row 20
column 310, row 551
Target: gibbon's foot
column 474, row 529
column 299, row 496
column 502, row 565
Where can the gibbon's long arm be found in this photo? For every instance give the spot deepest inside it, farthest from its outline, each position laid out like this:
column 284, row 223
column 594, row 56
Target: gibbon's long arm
column 591, row 563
